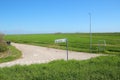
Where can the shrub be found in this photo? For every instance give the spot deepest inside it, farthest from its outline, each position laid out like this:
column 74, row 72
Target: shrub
column 3, row 46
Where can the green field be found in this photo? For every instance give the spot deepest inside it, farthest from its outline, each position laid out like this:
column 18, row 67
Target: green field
column 101, row 68
column 76, row 41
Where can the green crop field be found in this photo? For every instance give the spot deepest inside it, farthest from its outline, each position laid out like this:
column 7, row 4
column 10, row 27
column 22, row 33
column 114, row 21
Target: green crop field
column 76, row 41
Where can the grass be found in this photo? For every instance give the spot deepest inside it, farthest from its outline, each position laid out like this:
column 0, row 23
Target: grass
column 76, row 41
column 3, row 47
column 11, row 54
column 100, row 68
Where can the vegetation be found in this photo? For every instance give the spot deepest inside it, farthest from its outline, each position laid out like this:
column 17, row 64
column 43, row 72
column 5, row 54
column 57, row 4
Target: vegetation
column 11, row 54
column 76, row 41
column 7, row 53
column 100, row 68
column 3, row 46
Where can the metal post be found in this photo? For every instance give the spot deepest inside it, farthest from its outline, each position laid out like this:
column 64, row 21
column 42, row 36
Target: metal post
column 90, row 34
column 67, row 48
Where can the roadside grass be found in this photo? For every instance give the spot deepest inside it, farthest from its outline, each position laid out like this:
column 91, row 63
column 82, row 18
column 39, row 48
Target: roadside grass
column 100, row 68
column 76, row 41
column 3, row 47
column 11, row 54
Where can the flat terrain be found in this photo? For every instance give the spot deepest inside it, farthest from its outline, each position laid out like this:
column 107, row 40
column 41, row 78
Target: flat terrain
column 99, row 68
column 35, row 54
column 76, row 41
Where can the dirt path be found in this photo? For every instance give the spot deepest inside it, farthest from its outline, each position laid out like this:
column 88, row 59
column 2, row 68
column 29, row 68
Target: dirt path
column 35, row 54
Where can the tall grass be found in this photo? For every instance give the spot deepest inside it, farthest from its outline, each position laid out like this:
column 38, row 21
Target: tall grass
column 7, row 53
column 11, row 54
column 3, row 46
column 101, row 68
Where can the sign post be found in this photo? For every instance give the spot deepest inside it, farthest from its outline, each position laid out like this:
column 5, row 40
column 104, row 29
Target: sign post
column 63, row 41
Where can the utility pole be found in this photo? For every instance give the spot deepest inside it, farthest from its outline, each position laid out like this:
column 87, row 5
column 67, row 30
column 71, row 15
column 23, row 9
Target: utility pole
column 90, row 34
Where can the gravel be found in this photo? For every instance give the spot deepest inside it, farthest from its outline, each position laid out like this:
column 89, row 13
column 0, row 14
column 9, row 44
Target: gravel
column 36, row 54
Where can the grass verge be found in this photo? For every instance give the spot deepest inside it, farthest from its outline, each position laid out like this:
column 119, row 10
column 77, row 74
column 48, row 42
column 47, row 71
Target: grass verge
column 11, row 54
column 100, row 68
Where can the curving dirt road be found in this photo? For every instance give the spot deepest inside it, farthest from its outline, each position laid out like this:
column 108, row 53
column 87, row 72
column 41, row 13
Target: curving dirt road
column 35, row 54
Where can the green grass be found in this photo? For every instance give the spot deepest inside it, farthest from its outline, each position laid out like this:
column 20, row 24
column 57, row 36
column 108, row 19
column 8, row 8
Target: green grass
column 76, row 41
column 11, row 54
column 100, row 68
column 3, row 47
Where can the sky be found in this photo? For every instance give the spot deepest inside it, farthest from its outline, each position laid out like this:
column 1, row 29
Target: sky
column 52, row 16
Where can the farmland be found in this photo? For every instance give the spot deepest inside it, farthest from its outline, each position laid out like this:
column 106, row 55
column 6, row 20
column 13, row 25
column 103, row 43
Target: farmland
column 99, row 68
column 76, row 41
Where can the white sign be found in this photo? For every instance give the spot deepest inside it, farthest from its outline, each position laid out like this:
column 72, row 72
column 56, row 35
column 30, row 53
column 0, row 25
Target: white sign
column 60, row 40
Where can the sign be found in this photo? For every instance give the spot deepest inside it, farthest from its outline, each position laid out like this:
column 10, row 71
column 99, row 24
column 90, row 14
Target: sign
column 60, row 40
column 63, row 41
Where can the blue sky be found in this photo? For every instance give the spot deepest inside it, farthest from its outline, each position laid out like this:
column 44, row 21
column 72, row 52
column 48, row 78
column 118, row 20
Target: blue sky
column 50, row 16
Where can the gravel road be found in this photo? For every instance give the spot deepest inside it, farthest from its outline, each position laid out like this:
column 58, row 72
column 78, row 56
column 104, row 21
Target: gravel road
column 36, row 54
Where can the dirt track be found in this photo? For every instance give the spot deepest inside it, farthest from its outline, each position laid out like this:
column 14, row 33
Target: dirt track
column 35, row 54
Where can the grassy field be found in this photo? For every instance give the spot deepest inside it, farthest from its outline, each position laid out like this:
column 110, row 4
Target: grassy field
column 101, row 68
column 11, row 54
column 76, row 41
